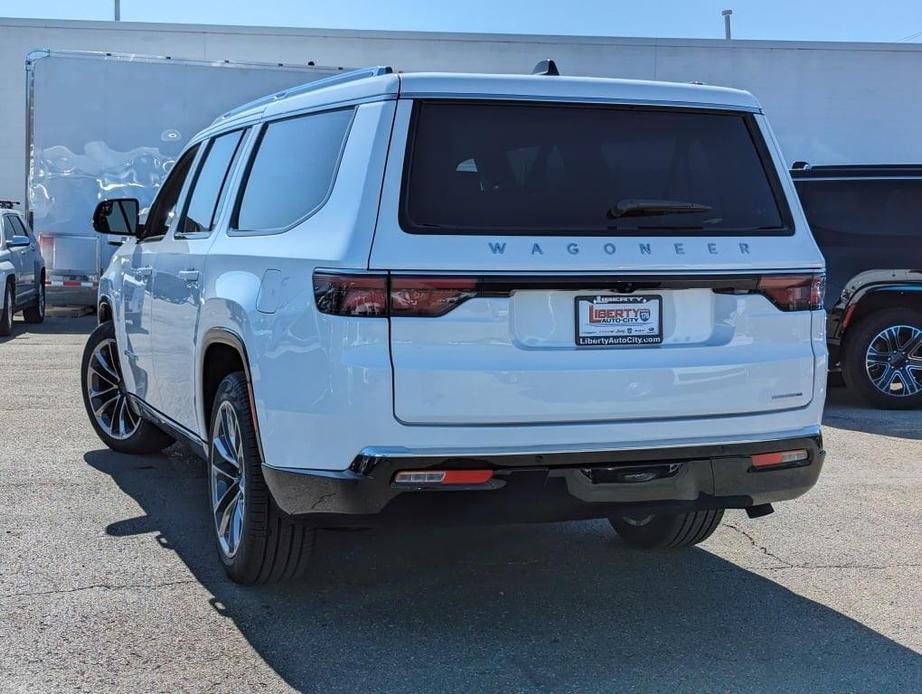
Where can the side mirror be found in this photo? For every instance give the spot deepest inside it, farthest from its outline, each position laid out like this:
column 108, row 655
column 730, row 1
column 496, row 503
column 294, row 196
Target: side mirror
column 118, row 216
column 18, row 242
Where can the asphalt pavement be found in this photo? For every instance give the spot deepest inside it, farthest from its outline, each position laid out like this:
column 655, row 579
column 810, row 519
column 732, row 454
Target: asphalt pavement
column 109, row 580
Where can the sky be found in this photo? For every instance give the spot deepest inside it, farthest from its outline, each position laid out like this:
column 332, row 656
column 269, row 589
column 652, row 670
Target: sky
column 809, row 20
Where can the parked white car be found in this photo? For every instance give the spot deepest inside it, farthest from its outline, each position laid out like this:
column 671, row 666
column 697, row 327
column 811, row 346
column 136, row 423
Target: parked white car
column 469, row 298
column 22, row 270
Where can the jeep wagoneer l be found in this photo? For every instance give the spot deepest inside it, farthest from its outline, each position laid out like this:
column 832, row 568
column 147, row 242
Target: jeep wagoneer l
column 473, row 299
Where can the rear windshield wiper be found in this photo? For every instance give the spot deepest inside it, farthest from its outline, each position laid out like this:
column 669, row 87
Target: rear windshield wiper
column 651, row 208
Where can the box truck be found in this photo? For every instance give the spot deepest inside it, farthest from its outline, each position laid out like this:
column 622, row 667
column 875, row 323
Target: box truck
column 106, row 124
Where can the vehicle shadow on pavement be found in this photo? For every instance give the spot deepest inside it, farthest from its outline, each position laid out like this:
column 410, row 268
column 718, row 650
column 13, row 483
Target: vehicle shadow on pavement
column 53, row 325
column 514, row 608
column 844, row 410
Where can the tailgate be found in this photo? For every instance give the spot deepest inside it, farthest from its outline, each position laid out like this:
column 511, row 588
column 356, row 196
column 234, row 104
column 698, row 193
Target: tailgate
column 616, row 253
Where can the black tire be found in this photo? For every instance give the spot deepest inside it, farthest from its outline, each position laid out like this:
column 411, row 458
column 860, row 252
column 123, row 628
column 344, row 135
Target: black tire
column 267, row 545
column 36, row 312
column 6, row 311
column 144, row 437
column 864, row 336
column 668, row 531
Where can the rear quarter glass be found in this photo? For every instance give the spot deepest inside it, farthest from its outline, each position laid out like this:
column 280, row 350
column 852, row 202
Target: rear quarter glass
column 512, row 168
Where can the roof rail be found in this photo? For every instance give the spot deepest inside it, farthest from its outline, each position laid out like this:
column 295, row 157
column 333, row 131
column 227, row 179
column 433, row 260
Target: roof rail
column 332, row 80
column 8, row 204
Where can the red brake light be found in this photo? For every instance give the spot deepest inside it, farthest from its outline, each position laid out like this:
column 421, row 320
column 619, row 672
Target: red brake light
column 429, row 296
column 351, row 295
column 794, row 292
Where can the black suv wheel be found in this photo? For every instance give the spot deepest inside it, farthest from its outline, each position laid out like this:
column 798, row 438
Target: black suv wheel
column 108, row 406
column 882, row 361
column 256, row 542
column 6, row 311
column 667, row 531
column 36, row 312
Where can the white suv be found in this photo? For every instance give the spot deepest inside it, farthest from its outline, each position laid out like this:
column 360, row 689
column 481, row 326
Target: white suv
column 469, row 298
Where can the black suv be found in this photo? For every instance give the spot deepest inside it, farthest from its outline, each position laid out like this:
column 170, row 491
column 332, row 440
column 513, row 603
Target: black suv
column 867, row 221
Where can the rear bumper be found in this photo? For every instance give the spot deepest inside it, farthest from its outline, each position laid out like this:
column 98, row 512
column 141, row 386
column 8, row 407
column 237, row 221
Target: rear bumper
column 547, row 487
column 73, row 294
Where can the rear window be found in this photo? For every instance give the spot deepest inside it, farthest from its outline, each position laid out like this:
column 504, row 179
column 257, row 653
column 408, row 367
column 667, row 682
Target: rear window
column 878, row 207
column 559, row 169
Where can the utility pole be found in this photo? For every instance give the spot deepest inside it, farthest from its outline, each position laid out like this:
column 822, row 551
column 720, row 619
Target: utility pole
column 118, row 10
column 726, row 15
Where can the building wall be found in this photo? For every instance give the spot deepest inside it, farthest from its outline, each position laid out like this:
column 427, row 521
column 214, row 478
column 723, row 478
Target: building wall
column 828, row 102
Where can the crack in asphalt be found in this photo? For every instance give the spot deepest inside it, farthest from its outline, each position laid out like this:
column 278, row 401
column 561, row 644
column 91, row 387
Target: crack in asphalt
column 761, row 548
column 787, row 565
column 100, row 586
column 818, row 567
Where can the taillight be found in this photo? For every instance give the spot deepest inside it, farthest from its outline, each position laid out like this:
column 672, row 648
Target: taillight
column 351, row 295
column 429, row 296
column 794, row 292
column 370, row 295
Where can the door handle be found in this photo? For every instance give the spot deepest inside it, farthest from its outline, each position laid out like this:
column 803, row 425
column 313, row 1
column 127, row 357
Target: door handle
column 143, row 272
column 189, row 275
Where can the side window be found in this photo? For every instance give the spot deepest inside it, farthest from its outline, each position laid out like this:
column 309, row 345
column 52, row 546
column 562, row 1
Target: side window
column 293, row 170
column 164, row 207
column 878, row 207
column 9, row 231
column 20, row 227
column 209, row 183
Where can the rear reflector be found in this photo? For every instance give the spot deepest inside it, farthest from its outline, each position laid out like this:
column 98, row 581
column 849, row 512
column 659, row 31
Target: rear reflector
column 794, row 292
column 443, row 477
column 763, row 460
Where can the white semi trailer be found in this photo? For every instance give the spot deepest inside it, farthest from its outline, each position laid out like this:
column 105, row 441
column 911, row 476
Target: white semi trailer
column 102, row 125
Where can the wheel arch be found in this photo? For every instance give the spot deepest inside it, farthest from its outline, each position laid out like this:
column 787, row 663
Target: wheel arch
column 877, row 297
column 223, row 352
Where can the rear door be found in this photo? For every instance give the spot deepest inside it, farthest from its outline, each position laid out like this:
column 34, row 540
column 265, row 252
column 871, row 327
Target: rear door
column 178, row 275
column 599, row 263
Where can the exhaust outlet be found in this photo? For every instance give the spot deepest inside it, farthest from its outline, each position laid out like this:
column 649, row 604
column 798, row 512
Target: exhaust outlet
column 759, row 510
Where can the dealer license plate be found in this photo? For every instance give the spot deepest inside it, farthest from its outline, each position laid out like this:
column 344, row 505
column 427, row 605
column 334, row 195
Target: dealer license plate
column 616, row 320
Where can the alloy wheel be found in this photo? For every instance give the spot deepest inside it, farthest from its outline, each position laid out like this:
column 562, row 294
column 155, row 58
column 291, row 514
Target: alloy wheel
column 893, row 361
column 227, row 479
column 109, row 402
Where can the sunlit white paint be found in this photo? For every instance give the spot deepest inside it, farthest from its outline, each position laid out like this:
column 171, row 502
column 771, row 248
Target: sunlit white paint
column 496, row 374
